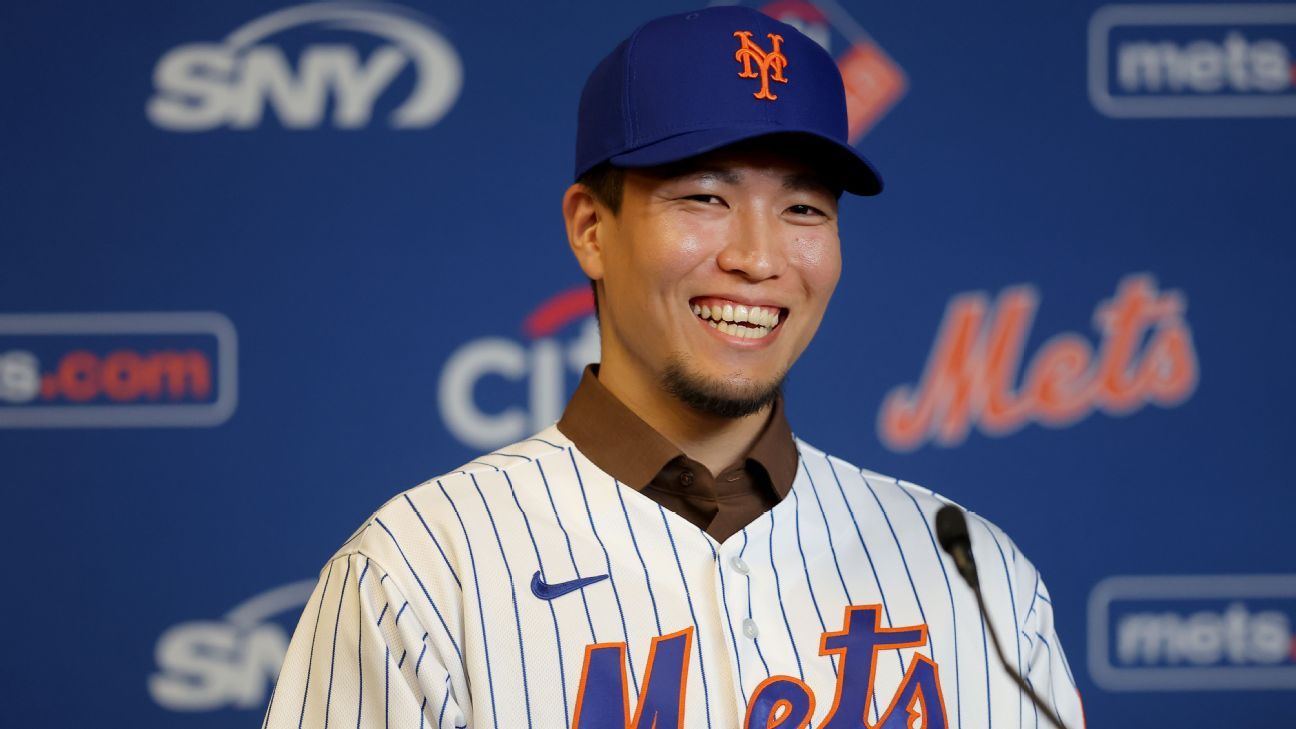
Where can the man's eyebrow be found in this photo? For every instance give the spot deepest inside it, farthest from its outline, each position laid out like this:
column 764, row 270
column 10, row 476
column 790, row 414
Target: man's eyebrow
column 805, row 182
column 797, row 181
column 719, row 174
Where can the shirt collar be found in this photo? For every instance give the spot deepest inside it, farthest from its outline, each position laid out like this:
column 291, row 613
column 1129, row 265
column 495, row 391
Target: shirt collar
column 602, row 427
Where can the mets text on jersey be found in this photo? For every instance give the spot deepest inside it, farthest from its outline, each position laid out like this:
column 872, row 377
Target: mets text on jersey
column 604, row 698
column 973, row 374
column 542, row 361
column 104, row 370
column 1193, row 633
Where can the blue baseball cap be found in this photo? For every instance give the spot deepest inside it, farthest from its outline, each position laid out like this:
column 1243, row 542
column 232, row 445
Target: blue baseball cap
column 687, row 84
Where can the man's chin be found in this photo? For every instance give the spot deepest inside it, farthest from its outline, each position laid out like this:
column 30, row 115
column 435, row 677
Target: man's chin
column 735, row 396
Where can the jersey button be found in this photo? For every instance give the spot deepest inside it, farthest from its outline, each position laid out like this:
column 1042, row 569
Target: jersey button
column 740, row 566
column 749, row 628
column 686, row 478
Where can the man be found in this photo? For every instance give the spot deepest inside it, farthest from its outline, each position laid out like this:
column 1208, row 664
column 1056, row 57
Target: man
column 668, row 555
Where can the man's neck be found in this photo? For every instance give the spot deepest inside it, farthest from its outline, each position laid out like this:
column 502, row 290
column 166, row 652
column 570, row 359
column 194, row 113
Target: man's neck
column 715, row 442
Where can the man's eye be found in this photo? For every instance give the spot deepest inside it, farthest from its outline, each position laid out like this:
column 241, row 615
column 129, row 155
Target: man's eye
column 805, row 210
column 709, row 199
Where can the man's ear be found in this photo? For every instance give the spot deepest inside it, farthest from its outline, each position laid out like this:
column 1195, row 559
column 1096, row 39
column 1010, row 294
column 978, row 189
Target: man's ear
column 587, row 229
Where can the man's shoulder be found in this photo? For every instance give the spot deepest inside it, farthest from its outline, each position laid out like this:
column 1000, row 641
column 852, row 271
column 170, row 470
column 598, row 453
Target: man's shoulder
column 431, row 510
column 546, row 443
column 843, row 470
column 886, row 490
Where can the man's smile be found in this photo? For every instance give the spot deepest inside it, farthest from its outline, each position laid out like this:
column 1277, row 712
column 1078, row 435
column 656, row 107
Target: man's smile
column 737, row 319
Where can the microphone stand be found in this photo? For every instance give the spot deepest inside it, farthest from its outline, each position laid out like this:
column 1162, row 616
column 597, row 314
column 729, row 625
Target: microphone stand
column 952, row 533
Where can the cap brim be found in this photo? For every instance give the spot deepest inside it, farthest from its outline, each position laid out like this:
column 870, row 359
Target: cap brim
column 855, row 173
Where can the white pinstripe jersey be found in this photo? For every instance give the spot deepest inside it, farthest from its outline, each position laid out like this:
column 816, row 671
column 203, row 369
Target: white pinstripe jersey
column 834, row 609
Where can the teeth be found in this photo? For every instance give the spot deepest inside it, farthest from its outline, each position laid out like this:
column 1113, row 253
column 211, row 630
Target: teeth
column 713, row 325
column 764, row 318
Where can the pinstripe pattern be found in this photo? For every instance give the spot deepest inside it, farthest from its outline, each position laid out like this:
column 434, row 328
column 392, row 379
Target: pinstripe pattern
column 562, row 669
column 607, row 560
column 426, row 616
column 756, row 643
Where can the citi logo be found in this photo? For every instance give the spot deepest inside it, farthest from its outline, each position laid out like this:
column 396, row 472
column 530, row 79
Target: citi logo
column 103, row 370
column 207, row 665
column 353, row 55
column 1193, row 60
column 1162, row 633
column 528, row 377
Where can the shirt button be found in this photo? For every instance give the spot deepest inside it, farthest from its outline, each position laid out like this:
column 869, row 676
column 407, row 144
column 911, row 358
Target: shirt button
column 749, row 628
column 740, row 566
column 686, row 478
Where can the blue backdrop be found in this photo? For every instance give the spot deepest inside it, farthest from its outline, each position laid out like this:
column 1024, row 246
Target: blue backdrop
column 263, row 265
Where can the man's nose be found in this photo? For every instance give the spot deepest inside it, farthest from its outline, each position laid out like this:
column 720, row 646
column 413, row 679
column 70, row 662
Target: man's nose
column 755, row 249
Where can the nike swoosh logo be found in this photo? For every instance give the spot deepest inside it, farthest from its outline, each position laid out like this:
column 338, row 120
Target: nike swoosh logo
column 546, row 591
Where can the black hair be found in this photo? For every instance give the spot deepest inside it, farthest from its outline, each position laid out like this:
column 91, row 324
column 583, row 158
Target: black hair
column 606, row 183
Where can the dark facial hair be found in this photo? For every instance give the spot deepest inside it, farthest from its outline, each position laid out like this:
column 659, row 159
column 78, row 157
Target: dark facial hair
column 712, row 397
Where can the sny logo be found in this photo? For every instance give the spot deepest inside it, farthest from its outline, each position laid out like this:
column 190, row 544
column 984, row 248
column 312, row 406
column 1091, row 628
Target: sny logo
column 749, row 52
column 117, row 370
column 204, row 86
column 205, row 665
column 1146, row 355
column 603, row 700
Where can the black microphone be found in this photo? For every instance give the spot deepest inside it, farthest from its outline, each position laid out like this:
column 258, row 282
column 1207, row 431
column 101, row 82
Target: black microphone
column 952, row 533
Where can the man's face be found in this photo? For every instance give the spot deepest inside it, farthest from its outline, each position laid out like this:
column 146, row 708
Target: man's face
column 715, row 276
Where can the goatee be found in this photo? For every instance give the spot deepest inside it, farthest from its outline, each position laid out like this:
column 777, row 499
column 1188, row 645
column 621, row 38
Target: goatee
column 716, row 397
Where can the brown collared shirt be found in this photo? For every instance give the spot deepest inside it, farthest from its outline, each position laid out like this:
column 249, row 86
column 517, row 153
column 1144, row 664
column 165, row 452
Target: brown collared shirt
column 631, row 451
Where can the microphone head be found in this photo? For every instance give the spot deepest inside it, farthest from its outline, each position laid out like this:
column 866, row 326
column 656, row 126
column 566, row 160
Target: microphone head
column 952, row 529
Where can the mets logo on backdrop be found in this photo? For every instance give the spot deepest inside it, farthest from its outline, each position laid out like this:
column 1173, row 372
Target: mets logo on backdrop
column 873, row 80
column 758, row 63
column 1193, row 633
column 495, row 390
column 102, row 370
column 974, row 373
column 1193, row 60
column 350, row 57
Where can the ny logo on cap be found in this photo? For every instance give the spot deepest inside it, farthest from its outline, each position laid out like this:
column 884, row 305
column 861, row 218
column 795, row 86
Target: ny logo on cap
column 749, row 53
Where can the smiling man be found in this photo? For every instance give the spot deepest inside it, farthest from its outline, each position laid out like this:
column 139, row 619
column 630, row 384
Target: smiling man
column 712, row 275
column 668, row 554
